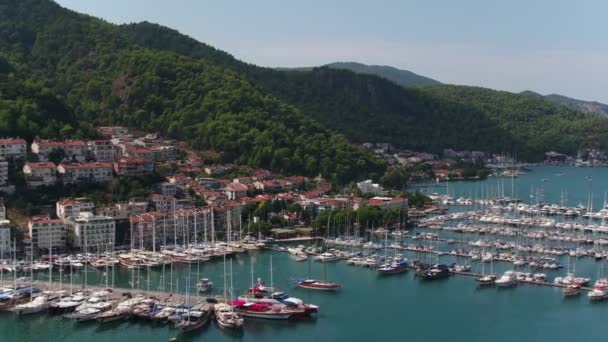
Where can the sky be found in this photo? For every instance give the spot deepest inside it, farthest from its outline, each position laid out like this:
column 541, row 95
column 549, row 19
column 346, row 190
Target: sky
column 548, row 46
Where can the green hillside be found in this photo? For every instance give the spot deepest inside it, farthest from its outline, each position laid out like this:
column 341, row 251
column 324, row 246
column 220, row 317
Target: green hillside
column 150, row 77
column 401, row 77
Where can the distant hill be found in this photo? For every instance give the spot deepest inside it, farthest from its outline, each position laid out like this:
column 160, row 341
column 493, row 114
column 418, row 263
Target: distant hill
column 592, row 107
column 153, row 78
column 401, row 77
column 581, row 105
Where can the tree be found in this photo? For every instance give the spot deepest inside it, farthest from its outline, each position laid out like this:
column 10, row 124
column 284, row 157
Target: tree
column 57, row 155
column 395, row 178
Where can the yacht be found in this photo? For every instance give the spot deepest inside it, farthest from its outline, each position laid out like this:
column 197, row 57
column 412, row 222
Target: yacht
column 204, row 285
column 398, row 265
column 600, row 290
column 507, row 280
column 572, row 290
column 487, row 280
column 196, row 318
column 227, row 317
column 326, row 257
column 39, row 304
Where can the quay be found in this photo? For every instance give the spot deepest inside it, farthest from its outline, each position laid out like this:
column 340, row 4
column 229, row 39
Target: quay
column 118, row 292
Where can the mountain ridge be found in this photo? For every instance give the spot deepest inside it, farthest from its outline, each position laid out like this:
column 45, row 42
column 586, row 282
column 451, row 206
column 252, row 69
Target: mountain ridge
column 152, row 77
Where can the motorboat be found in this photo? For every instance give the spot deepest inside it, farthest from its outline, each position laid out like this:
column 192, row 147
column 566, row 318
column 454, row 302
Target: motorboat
column 227, row 317
column 204, row 285
column 507, row 280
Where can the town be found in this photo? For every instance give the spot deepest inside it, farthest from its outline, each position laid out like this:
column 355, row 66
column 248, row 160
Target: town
column 177, row 196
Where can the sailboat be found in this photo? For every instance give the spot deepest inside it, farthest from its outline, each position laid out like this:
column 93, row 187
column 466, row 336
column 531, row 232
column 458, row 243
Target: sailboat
column 486, row 280
column 225, row 314
column 38, row 304
column 321, row 285
column 399, row 264
column 196, row 317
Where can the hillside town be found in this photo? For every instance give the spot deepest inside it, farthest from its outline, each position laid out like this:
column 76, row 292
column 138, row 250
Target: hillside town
column 185, row 194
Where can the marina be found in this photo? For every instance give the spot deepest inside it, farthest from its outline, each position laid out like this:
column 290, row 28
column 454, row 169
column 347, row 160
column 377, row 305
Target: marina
column 535, row 254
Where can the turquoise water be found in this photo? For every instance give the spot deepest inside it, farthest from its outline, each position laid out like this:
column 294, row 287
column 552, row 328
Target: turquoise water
column 369, row 307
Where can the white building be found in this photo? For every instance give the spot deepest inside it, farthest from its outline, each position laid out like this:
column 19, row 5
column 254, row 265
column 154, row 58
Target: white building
column 92, row 232
column 123, row 210
column 168, row 189
column 235, row 190
column 13, row 148
column 3, row 172
column 38, row 174
column 47, row 233
column 75, row 150
column 73, row 207
column 101, row 150
column 367, row 187
column 85, row 172
column 5, row 237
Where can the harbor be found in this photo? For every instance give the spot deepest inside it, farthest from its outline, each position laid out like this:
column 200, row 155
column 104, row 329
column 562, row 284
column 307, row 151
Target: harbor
column 472, row 241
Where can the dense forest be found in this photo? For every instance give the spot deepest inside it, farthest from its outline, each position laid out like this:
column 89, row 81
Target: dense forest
column 145, row 76
column 106, row 79
column 371, row 108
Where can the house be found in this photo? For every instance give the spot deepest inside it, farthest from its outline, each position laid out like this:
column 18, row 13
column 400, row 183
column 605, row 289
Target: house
column 319, row 204
column 190, row 170
column 262, row 174
column 122, row 211
column 113, row 131
column 69, row 207
column 85, row 172
column 128, row 166
column 13, row 148
column 75, row 150
column 143, row 230
column 178, row 180
column 168, row 189
column 47, row 233
column 162, row 203
column 3, row 172
column 92, row 232
column 216, row 170
column 367, row 187
column 140, row 152
column 235, row 190
column 164, row 153
column 389, row 203
column 40, row 174
column 6, row 244
column 101, row 150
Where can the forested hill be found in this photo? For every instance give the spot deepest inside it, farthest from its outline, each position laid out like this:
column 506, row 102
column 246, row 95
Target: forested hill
column 404, row 78
column 29, row 110
column 371, row 108
column 147, row 76
column 106, row 78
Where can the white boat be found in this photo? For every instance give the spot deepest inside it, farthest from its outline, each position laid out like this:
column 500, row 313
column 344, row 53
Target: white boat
column 227, row 317
column 507, row 280
column 326, row 257
column 204, row 285
column 600, row 290
column 39, row 304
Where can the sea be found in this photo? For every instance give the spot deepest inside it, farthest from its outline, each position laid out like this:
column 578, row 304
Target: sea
column 370, row 307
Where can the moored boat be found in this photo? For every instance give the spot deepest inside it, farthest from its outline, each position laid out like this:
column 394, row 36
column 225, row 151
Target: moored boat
column 227, row 317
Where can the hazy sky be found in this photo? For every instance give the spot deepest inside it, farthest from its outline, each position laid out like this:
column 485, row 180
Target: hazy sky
column 552, row 46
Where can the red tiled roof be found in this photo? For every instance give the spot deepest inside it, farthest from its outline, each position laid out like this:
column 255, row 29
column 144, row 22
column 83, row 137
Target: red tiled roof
column 86, row 165
column 47, row 165
column 236, row 187
column 131, row 160
column 12, row 141
column 51, row 143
